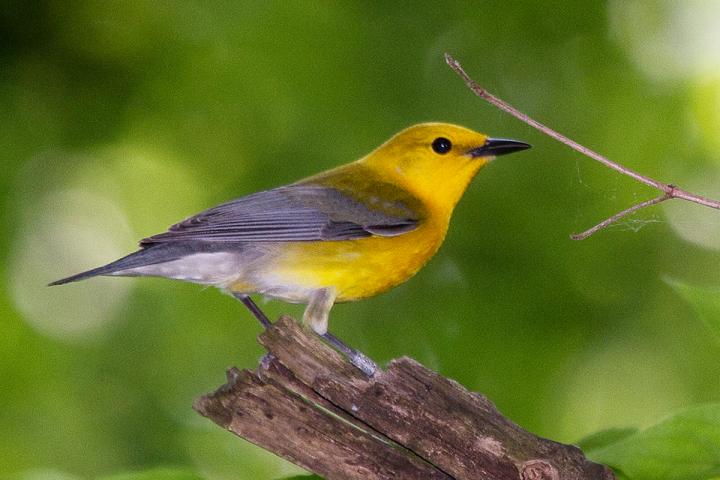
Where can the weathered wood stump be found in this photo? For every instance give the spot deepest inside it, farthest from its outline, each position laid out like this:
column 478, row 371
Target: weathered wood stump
column 307, row 404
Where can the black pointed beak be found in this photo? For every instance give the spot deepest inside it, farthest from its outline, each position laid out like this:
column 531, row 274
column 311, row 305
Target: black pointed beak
column 498, row 146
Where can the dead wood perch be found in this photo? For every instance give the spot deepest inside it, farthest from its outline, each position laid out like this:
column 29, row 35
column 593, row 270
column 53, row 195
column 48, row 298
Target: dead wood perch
column 307, row 404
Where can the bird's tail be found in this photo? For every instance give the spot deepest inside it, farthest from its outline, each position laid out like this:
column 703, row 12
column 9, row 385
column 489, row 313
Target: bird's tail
column 145, row 256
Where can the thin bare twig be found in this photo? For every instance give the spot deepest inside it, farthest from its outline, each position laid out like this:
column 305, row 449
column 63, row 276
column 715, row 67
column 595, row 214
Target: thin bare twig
column 669, row 191
column 619, row 215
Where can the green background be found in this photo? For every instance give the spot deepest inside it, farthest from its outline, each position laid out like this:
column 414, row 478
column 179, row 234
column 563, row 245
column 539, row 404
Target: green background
column 120, row 118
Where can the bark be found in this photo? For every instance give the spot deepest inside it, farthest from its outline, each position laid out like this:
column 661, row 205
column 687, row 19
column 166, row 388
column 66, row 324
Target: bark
column 305, row 402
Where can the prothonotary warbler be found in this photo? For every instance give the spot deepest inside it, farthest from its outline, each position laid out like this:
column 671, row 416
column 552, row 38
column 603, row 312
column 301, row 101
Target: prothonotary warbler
column 342, row 235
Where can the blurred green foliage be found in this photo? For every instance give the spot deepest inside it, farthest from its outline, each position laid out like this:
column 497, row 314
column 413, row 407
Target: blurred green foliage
column 682, row 447
column 156, row 474
column 120, row 118
column 706, row 302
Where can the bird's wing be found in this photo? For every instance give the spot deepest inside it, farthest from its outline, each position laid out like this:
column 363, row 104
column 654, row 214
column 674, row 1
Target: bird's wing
column 299, row 212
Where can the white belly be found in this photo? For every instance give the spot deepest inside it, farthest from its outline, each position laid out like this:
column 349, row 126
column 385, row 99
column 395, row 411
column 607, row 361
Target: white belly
column 218, row 268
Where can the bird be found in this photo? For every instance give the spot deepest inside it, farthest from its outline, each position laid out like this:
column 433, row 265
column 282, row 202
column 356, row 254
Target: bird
column 346, row 234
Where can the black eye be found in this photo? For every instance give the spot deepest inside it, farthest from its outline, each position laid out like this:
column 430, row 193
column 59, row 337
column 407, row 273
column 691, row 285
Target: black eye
column 441, row 145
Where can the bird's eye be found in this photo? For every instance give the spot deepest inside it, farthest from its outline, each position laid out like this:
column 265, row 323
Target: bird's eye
column 441, row 145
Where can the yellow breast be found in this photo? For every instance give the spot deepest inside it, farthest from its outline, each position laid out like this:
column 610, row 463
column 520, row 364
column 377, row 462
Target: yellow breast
column 356, row 268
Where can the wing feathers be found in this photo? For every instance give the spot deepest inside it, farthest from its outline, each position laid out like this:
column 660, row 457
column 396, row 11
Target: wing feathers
column 287, row 214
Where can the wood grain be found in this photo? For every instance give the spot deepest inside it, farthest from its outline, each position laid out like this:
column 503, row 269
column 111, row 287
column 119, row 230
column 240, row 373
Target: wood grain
column 308, row 404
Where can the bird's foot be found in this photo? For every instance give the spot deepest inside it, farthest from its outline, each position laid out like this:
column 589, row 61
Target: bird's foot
column 363, row 363
column 357, row 358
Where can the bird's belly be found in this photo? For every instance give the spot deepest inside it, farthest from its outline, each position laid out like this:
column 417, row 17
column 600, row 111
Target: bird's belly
column 355, row 268
column 216, row 268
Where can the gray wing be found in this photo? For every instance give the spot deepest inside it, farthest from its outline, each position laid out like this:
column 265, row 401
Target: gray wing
column 290, row 214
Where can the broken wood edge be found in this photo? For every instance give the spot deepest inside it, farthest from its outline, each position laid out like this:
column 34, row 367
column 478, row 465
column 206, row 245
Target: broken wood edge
column 265, row 409
column 306, row 403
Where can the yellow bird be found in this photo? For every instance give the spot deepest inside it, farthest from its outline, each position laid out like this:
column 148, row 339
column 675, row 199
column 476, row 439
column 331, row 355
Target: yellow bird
column 345, row 234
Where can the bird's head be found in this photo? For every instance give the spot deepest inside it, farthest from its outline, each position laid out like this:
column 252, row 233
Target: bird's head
column 436, row 161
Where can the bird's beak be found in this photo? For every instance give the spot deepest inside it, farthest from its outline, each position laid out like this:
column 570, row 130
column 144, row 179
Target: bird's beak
column 497, row 146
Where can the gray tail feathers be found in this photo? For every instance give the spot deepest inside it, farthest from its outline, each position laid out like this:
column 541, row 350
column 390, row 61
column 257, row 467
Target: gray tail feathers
column 146, row 256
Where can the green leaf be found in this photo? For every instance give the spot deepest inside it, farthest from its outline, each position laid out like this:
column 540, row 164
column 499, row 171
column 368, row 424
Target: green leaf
column 705, row 301
column 604, row 438
column 685, row 446
column 156, row 474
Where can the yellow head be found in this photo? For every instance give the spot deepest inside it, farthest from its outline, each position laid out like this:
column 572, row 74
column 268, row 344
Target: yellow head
column 436, row 161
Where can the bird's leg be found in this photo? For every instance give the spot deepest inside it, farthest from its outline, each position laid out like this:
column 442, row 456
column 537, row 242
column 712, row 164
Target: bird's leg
column 316, row 316
column 254, row 309
column 318, row 309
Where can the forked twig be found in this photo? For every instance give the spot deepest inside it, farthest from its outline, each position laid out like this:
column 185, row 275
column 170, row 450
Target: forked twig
column 669, row 191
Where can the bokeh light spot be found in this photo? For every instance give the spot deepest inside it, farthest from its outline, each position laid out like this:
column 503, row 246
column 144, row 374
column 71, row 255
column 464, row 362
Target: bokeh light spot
column 669, row 40
column 694, row 223
column 68, row 231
